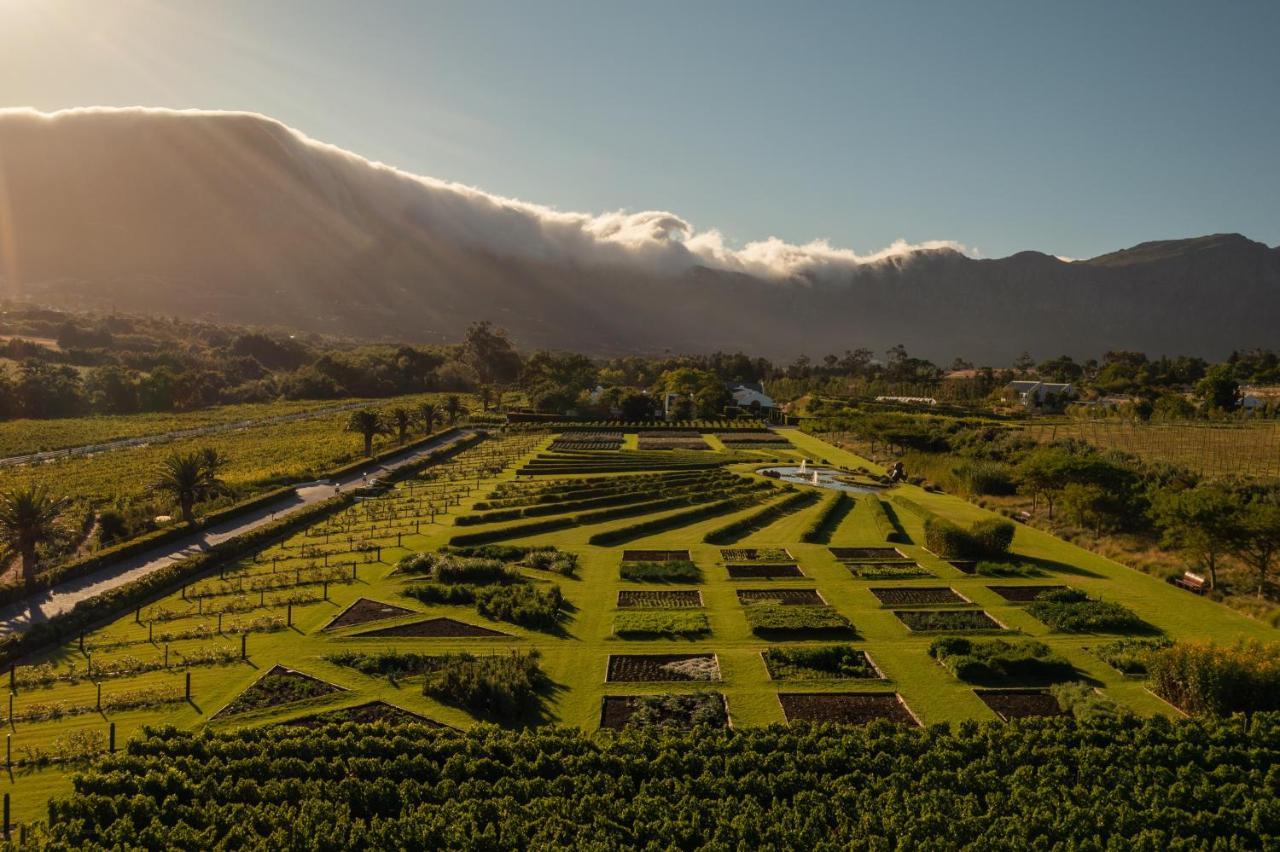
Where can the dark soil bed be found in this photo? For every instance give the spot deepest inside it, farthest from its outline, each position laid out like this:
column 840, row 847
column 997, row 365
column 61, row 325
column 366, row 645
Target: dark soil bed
column 964, row 566
column 763, row 572
column 789, row 597
column 433, row 628
column 364, row 611
column 756, row 554
column 372, row 711
column 279, row 685
column 918, row 596
column 1022, row 594
column 655, row 556
column 675, row 599
column 848, row 554
column 948, row 620
column 856, row 708
column 673, row 710
column 656, row 668
column 1020, row 703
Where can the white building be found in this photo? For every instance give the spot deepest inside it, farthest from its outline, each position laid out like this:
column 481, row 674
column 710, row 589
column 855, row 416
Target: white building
column 1031, row 393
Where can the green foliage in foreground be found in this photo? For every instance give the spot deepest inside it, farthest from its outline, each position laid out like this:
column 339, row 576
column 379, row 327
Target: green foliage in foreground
column 975, row 785
column 1211, row 679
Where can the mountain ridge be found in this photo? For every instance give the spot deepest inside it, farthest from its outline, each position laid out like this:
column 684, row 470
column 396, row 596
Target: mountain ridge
column 236, row 217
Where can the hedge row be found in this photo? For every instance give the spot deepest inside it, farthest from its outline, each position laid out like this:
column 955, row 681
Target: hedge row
column 680, row 519
column 838, row 505
column 735, row 530
column 577, row 490
column 625, row 498
column 989, row 539
column 886, row 526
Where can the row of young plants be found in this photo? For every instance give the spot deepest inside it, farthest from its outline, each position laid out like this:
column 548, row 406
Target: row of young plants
column 608, row 538
column 975, row 785
column 533, row 492
column 760, row 519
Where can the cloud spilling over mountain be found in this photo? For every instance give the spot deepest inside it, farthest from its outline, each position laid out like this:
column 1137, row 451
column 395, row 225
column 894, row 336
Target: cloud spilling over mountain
column 236, row 217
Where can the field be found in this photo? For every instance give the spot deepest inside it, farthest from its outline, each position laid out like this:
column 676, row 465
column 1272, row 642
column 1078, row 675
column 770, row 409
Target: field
column 321, row 621
column 1210, row 449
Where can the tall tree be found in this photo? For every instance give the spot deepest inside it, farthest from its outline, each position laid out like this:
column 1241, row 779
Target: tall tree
column 1258, row 545
column 428, row 416
column 1203, row 522
column 403, row 419
column 368, row 424
column 489, row 353
column 453, row 408
column 190, row 477
column 28, row 518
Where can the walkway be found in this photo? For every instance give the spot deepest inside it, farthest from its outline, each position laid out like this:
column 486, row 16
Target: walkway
column 62, row 597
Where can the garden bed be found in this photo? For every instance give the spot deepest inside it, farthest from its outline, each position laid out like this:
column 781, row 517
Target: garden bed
column 947, row 620
column 434, row 628
column 654, row 623
column 1020, row 703
column 853, row 554
column 830, row 662
column 1129, row 656
column 660, row 668
column 664, row 571
column 995, row 661
column 1023, row 594
column 1072, row 611
column 918, row 596
column 278, row 686
column 783, row 621
column 964, row 566
column 850, row 708
column 763, row 572
column 782, row 597
column 756, row 554
column 646, row 441
column 887, row 570
column 370, row 711
column 677, row 710
column 655, row 556
column 664, row 599
column 364, row 611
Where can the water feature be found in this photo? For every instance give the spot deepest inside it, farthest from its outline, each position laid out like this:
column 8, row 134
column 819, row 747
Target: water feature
column 823, row 477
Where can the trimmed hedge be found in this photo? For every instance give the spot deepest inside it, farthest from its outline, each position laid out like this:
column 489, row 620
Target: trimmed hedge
column 731, row 532
column 838, row 505
column 987, row 539
column 609, row 538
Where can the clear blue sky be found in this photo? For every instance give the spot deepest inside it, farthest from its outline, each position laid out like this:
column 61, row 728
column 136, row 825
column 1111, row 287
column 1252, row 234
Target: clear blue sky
column 1070, row 127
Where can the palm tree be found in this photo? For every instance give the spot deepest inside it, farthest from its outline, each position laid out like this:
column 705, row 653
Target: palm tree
column 454, row 408
column 428, row 416
column 28, row 518
column 403, row 419
column 191, row 477
column 367, row 423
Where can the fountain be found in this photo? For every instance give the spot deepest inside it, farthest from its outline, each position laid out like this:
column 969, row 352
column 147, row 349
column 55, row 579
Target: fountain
column 815, row 478
column 803, row 462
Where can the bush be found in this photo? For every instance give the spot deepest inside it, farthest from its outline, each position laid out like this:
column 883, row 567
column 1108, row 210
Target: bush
column 1086, row 704
column 769, row 619
column 390, row 664
column 838, row 505
column 761, row 518
column 987, row 539
column 827, row 662
column 986, row 660
column 441, row 593
column 556, row 561
column 1071, row 611
column 480, row 572
column 1130, row 655
column 688, row 710
column 1209, row 679
column 502, row 687
column 526, row 605
column 675, row 571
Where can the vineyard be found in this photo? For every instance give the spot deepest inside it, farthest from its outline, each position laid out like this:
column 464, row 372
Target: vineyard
column 522, row 585
column 1208, row 448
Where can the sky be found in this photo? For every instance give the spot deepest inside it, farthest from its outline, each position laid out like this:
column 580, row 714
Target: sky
column 1069, row 128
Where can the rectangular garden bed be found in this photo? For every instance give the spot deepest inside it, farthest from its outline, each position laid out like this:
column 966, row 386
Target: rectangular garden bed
column 1020, row 703
column 756, row 554
column 652, row 623
column 846, row 708
column 825, row 662
column 664, row 599
column 784, row 597
column 851, row 554
column 655, row 556
column 887, row 570
column 1022, row 594
column 796, row 622
column 918, row 596
column 947, row 620
column 677, row 710
column 763, row 572
column 660, row 668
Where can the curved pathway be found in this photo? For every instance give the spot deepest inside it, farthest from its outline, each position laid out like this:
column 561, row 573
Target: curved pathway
column 61, row 598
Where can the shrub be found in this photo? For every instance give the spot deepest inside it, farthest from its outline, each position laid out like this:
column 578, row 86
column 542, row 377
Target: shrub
column 987, row 568
column 1086, row 704
column 675, row 571
column 441, row 593
column 826, row 662
column 1215, row 680
column 689, row 710
column 502, row 687
column 526, row 605
column 557, row 561
column 1071, row 611
column 391, row 664
column 984, row 660
column 1130, row 655
column 451, row 569
column 987, row 539
column 838, row 505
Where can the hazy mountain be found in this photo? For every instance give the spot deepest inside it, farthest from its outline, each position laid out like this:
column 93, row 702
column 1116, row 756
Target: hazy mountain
column 237, row 218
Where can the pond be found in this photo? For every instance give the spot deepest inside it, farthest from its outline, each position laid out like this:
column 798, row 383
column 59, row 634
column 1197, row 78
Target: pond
column 822, row 477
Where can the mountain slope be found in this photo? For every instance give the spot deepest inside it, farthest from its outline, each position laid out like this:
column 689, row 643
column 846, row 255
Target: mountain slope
column 236, row 217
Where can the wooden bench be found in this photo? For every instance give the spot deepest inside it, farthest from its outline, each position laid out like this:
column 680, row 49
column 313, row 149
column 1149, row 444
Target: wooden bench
column 1192, row 583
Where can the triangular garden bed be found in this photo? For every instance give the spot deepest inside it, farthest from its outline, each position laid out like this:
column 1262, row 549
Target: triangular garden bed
column 433, row 628
column 364, row 611
column 278, row 686
column 370, row 711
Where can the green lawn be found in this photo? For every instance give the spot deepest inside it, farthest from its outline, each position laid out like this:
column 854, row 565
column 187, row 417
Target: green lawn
column 575, row 655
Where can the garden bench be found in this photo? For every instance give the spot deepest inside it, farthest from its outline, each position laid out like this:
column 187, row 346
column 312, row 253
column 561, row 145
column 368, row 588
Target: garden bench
column 1192, row 583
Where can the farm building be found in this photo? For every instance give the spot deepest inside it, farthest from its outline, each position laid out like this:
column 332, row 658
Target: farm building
column 1034, row 393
